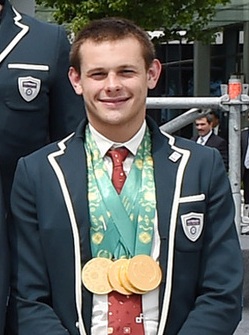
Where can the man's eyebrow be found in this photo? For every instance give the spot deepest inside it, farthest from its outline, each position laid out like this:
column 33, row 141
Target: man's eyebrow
column 127, row 66
column 95, row 69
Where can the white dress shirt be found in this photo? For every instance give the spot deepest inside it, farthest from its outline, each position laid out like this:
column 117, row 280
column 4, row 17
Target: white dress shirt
column 150, row 300
column 203, row 139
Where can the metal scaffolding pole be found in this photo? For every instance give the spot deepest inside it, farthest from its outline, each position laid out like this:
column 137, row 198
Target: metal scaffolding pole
column 184, row 102
column 234, row 134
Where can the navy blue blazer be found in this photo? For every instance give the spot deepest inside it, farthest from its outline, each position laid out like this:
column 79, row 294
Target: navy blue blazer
column 200, row 254
column 37, row 101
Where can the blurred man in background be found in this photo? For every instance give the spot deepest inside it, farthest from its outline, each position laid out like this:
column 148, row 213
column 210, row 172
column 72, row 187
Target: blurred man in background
column 206, row 136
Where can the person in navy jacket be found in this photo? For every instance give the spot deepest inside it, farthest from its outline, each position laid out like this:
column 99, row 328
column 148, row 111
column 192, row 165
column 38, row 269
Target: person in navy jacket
column 176, row 203
column 37, row 102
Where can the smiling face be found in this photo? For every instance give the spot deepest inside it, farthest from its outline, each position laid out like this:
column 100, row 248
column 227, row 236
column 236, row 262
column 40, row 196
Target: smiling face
column 114, row 83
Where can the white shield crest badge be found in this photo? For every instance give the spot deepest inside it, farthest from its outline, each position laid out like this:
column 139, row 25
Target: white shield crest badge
column 29, row 87
column 192, row 224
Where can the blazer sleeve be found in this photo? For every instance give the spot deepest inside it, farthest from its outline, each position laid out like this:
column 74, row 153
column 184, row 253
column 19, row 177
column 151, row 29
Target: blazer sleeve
column 218, row 304
column 66, row 107
column 30, row 288
column 4, row 265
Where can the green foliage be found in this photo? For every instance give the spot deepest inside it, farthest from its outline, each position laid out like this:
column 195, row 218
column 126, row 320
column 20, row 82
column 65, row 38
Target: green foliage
column 171, row 16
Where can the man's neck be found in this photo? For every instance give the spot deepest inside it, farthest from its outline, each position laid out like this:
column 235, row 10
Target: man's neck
column 206, row 137
column 1, row 8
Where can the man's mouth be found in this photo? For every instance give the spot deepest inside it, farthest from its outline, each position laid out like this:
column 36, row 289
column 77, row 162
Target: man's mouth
column 110, row 102
column 114, row 100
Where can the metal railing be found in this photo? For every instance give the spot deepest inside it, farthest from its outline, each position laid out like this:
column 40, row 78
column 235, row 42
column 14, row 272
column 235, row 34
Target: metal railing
column 234, row 101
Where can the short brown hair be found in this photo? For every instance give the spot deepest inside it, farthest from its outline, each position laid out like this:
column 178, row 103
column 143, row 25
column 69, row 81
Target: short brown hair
column 112, row 29
column 208, row 117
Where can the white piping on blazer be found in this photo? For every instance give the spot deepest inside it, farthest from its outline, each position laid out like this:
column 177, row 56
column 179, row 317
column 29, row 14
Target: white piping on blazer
column 60, row 176
column 17, row 38
column 173, row 221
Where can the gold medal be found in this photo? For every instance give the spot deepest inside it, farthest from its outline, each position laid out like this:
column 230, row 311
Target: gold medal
column 114, row 276
column 138, row 275
column 95, row 275
column 125, row 280
column 144, row 273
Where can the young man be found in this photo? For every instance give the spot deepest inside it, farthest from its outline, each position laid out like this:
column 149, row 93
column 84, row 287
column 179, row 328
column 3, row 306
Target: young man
column 206, row 136
column 37, row 102
column 85, row 256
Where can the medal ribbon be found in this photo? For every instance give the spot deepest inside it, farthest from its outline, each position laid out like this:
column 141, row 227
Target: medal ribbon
column 121, row 224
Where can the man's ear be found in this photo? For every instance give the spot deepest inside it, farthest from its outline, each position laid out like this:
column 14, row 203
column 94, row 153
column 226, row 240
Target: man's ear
column 75, row 80
column 154, row 73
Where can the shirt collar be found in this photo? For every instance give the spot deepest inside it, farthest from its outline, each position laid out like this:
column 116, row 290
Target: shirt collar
column 104, row 144
column 206, row 137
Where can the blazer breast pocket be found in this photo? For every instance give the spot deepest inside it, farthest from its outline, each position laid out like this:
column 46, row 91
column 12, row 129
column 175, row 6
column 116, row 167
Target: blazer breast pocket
column 190, row 223
column 27, row 86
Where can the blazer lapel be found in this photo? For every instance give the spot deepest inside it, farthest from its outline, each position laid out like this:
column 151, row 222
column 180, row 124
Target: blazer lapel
column 169, row 166
column 72, row 164
column 69, row 164
column 210, row 140
column 12, row 30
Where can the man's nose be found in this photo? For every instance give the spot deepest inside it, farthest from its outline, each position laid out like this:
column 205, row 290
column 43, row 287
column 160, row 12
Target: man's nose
column 113, row 82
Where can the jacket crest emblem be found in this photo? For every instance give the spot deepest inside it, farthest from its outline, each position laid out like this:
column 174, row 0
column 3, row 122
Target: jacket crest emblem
column 192, row 224
column 29, row 87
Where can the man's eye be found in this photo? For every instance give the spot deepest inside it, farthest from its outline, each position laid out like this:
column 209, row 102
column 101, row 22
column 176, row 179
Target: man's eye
column 98, row 75
column 128, row 71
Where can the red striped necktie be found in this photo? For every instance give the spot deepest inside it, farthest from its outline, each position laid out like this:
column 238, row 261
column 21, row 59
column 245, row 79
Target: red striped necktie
column 118, row 156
